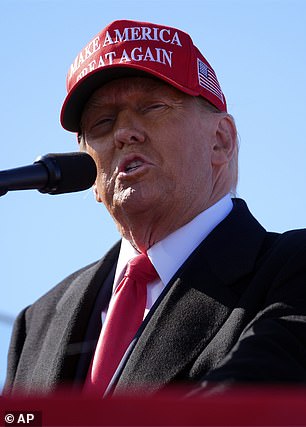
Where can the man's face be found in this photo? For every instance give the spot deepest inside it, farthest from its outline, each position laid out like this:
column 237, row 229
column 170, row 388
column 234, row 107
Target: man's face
column 153, row 148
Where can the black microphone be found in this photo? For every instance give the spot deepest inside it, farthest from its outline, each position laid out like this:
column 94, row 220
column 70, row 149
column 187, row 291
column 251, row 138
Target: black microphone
column 52, row 173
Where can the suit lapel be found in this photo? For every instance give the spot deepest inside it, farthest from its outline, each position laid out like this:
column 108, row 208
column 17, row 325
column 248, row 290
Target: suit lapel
column 195, row 304
column 63, row 344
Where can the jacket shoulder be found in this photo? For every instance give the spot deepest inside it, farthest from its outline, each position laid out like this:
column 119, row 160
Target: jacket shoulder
column 290, row 241
column 48, row 302
column 56, row 292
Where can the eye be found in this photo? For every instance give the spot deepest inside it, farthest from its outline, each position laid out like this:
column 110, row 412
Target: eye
column 102, row 121
column 101, row 125
column 154, row 107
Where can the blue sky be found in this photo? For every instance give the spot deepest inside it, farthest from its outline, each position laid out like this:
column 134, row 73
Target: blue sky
column 257, row 48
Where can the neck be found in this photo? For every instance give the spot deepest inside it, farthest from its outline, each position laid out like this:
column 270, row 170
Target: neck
column 144, row 229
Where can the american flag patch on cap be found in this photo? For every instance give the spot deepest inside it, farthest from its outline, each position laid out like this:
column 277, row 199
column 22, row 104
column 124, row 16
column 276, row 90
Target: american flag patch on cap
column 208, row 79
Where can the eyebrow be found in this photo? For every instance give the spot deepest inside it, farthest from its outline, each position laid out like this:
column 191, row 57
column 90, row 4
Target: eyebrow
column 99, row 101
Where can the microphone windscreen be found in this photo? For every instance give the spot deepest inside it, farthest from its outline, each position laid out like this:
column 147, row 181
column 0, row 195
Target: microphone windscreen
column 68, row 172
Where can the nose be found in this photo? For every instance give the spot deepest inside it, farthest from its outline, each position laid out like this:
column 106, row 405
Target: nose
column 128, row 129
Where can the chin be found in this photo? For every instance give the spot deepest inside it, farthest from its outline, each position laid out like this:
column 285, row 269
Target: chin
column 133, row 201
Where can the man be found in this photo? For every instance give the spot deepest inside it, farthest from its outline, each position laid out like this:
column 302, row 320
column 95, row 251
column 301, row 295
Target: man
column 226, row 303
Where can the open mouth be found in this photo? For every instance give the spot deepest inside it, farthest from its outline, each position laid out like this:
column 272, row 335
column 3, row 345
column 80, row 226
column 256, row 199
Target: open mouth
column 133, row 165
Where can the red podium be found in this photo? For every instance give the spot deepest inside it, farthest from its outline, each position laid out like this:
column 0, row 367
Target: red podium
column 244, row 407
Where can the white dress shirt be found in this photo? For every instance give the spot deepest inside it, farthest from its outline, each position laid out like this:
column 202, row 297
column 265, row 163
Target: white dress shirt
column 169, row 254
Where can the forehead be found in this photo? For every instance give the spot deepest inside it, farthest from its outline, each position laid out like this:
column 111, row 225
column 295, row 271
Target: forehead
column 122, row 88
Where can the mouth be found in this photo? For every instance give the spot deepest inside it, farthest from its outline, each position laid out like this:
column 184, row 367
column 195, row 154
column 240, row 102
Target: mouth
column 133, row 164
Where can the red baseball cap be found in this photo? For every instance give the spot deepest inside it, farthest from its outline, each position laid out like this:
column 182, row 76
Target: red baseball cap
column 129, row 48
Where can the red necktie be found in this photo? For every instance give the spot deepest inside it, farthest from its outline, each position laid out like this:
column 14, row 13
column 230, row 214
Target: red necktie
column 124, row 317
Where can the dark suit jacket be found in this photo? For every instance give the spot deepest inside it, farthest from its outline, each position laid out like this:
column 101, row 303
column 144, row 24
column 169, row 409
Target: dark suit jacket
column 235, row 312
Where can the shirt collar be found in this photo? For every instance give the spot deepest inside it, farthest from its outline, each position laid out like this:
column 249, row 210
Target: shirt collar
column 170, row 253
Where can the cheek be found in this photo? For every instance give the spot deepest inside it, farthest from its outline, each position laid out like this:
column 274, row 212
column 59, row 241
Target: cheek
column 190, row 161
column 102, row 161
column 101, row 156
column 176, row 153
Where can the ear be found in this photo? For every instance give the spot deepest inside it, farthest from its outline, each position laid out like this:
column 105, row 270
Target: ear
column 225, row 140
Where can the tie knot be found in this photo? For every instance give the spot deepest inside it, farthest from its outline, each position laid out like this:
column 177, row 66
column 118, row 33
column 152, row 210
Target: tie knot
column 141, row 269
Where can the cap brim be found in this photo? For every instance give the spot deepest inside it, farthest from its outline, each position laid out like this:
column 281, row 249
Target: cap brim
column 76, row 100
